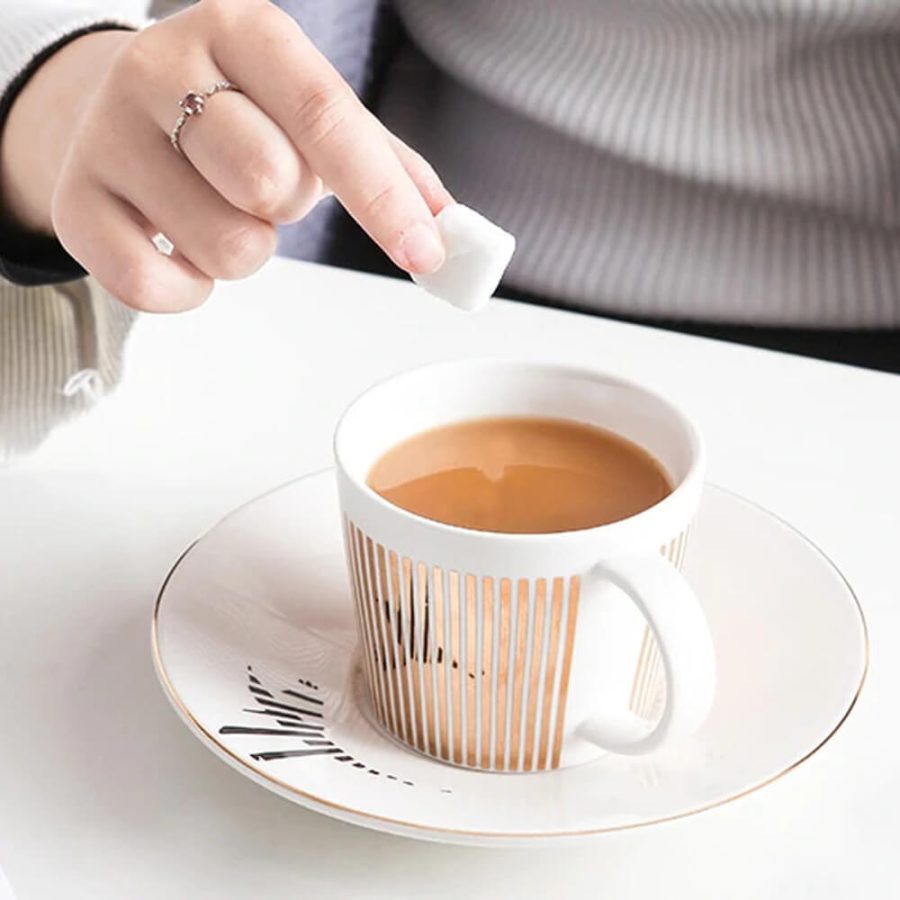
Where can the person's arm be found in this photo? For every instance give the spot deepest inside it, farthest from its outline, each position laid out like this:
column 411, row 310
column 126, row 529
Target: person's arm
column 107, row 179
column 31, row 32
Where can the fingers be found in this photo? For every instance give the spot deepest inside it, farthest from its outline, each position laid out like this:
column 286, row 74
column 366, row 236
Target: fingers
column 247, row 158
column 423, row 175
column 113, row 244
column 342, row 142
column 250, row 160
column 219, row 239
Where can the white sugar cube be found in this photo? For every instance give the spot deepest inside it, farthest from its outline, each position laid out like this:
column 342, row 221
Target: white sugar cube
column 478, row 252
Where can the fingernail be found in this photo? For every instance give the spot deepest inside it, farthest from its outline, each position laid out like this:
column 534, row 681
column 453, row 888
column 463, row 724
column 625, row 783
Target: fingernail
column 421, row 250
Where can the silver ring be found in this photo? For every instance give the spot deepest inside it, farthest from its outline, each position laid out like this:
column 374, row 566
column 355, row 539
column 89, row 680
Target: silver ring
column 192, row 104
column 162, row 244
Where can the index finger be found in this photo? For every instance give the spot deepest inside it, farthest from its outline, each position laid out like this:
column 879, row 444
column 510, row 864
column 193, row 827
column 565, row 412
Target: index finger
column 341, row 141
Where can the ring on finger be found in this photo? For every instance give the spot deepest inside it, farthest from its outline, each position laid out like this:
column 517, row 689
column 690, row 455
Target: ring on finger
column 162, row 244
column 192, row 104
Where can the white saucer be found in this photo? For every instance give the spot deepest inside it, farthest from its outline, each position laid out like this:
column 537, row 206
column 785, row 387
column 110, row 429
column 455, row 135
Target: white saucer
column 254, row 638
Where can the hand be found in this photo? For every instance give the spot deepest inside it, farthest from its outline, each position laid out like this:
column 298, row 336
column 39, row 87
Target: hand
column 86, row 154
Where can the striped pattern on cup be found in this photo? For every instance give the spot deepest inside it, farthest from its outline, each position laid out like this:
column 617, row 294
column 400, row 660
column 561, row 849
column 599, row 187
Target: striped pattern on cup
column 648, row 689
column 474, row 670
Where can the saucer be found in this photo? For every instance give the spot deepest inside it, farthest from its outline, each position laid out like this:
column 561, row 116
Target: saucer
column 254, row 643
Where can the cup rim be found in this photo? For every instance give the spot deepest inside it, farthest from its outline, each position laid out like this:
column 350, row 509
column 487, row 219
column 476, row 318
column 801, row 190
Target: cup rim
column 690, row 481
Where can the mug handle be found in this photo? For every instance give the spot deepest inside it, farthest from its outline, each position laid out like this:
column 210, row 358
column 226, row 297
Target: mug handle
column 676, row 619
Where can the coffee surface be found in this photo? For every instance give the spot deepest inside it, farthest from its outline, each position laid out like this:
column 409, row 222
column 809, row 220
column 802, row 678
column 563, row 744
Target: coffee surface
column 520, row 475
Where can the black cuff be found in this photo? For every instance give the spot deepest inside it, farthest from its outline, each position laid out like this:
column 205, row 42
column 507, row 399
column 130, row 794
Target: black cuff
column 27, row 258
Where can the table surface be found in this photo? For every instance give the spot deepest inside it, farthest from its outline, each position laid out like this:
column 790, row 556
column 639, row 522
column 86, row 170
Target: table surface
column 105, row 794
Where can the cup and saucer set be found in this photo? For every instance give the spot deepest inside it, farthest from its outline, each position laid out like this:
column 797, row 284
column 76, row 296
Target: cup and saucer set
column 494, row 689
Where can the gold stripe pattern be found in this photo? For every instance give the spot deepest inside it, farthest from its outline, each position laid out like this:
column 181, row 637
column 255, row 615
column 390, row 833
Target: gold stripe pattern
column 472, row 673
column 571, row 617
column 550, row 672
column 471, row 670
column 488, row 728
column 475, row 670
column 648, row 690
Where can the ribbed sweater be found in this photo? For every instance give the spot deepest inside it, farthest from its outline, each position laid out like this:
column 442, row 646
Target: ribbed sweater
column 724, row 160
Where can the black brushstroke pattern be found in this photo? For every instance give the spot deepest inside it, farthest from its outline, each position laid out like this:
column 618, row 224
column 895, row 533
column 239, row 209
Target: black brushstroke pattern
column 287, row 754
column 284, row 718
column 290, row 724
column 240, row 729
column 300, row 696
column 294, row 722
column 286, row 706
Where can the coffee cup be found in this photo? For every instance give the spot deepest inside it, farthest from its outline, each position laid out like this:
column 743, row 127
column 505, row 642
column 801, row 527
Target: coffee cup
column 525, row 652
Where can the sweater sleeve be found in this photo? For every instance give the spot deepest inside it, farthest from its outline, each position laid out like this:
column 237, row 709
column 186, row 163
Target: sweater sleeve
column 30, row 32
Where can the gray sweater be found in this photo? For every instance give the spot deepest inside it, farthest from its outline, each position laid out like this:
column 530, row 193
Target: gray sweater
column 726, row 160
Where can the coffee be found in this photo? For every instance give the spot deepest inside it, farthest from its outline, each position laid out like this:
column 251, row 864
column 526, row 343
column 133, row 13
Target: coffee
column 520, row 475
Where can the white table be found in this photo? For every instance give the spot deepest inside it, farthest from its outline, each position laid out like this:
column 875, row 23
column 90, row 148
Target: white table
column 105, row 794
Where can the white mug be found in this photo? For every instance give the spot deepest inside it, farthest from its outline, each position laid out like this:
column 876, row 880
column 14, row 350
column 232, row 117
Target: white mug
column 525, row 652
